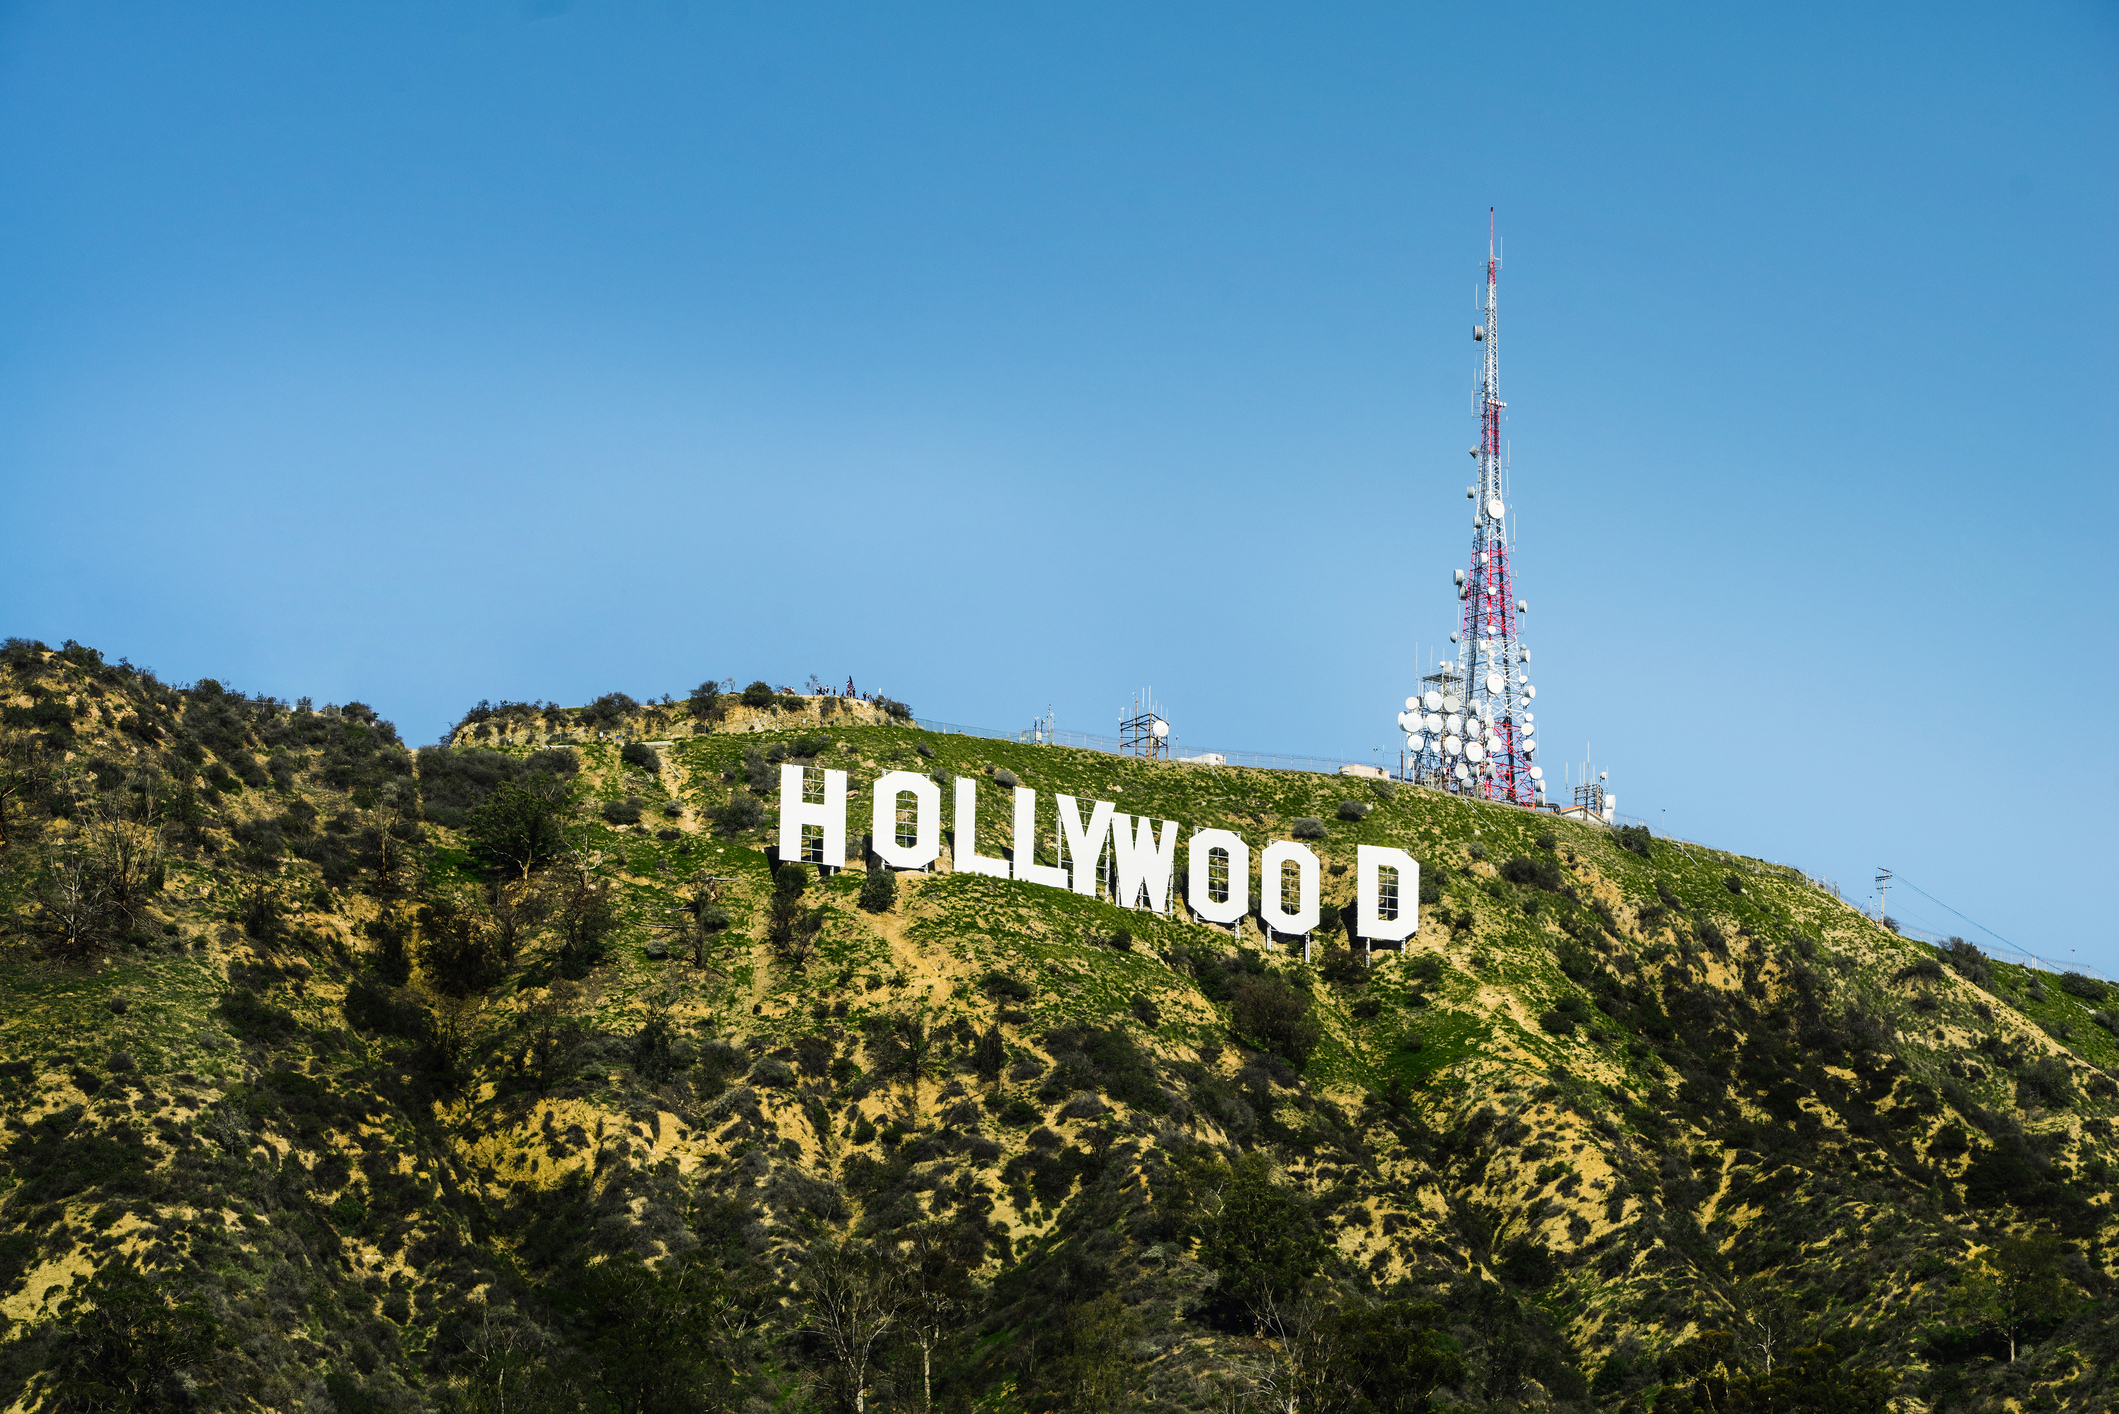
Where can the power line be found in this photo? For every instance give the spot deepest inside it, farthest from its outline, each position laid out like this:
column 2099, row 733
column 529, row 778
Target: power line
column 1902, row 879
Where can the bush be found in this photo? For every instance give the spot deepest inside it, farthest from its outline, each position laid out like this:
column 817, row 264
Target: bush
column 622, row 812
column 704, row 698
column 641, row 756
column 1309, row 827
column 609, row 710
column 759, row 694
column 896, row 710
column 811, row 744
column 1635, row 838
column 1354, row 809
column 879, row 891
column 741, row 813
column 1276, row 1017
column 654, row 1048
column 1538, row 870
column 1005, row 778
column 2045, row 1082
column 553, row 761
column 1968, row 962
column 1734, row 883
column 1925, row 969
column 2087, row 988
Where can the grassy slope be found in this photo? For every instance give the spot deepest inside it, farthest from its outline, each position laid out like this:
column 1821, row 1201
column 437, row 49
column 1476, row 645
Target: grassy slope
column 1652, row 1198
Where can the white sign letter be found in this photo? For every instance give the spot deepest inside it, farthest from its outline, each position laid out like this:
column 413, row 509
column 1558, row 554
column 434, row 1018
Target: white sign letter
column 1270, row 868
column 926, row 846
column 1143, row 862
column 1084, row 843
column 1052, row 876
column 1368, row 915
column 1238, row 903
column 968, row 858
column 795, row 812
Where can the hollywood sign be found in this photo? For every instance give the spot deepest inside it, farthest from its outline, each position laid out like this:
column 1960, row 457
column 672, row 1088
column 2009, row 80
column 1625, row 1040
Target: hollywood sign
column 1143, row 854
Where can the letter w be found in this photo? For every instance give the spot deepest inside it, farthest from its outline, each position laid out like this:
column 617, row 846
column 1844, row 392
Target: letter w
column 1143, row 863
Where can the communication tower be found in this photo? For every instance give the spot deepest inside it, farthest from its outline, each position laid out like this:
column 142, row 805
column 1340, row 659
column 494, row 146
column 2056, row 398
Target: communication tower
column 1471, row 729
column 1143, row 732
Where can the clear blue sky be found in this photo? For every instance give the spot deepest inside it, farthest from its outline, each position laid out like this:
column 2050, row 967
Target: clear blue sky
column 1001, row 356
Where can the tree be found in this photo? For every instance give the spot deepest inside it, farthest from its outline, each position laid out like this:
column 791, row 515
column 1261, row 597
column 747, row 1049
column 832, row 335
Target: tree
column 553, row 1030
column 127, row 1340
column 879, row 891
column 518, row 827
column 658, row 1340
column 459, row 946
column 708, row 918
column 1277, row 1017
column 586, row 914
column 789, row 927
column 2021, row 1285
column 1768, row 1320
column 1260, row 1240
column 1095, row 1369
column 937, row 1262
column 655, row 1044
column 851, row 1300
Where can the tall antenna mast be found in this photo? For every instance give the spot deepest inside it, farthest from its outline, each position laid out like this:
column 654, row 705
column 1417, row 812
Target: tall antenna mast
column 1472, row 729
column 1498, row 691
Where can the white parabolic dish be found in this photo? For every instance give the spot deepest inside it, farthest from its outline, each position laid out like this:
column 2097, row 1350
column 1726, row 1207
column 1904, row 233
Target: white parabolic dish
column 1433, row 701
column 1495, row 682
column 1529, row 691
column 1411, row 703
column 1433, row 722
column 1475, row 751
column 1450, row 703
column 1451, row 746
column 1537, row 773
column 1495, row 509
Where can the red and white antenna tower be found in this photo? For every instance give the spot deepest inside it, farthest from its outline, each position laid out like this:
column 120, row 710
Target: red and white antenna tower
column 1500, row 743
column 1473, row 730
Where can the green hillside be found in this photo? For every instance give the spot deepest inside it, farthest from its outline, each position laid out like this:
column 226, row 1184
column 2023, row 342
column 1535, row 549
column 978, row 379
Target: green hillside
column 509, row 1075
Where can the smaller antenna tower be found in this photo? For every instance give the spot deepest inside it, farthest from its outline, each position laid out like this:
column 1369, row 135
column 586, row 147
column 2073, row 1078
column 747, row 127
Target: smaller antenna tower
column 1143, row 732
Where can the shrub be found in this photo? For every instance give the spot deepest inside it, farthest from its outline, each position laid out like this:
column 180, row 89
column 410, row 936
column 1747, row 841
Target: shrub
column 925, row 750
column 641, row 756
column 674, row 810
column 879, row 891
column 1734, row 883
column 1538, row 870
column 1000, row 986
column 1925, row 969
column 655, row 1048
column 1968, row 962
column 894, row 709
column 1354, row 809
column 704, row 698
column 1308, row 827
column 759, row 694
column 1635, row 838
column 2045, row 1082
column 1005, row 778
column 609, row 710
column 741, row 813
column 811, row 744
column 1277, row 1017
column 622, row 812
column 2087, row 988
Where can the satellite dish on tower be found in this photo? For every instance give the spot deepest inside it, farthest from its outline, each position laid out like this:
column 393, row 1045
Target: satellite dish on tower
column 1495, row 509
column 1475, row 751
column 1537, row 773
column 1495, row 682
column 1411, row 703
column 1433, row 701
column 1159, row 730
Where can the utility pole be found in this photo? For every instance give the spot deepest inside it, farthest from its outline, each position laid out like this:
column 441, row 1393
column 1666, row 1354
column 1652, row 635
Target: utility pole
column 1883, row 893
